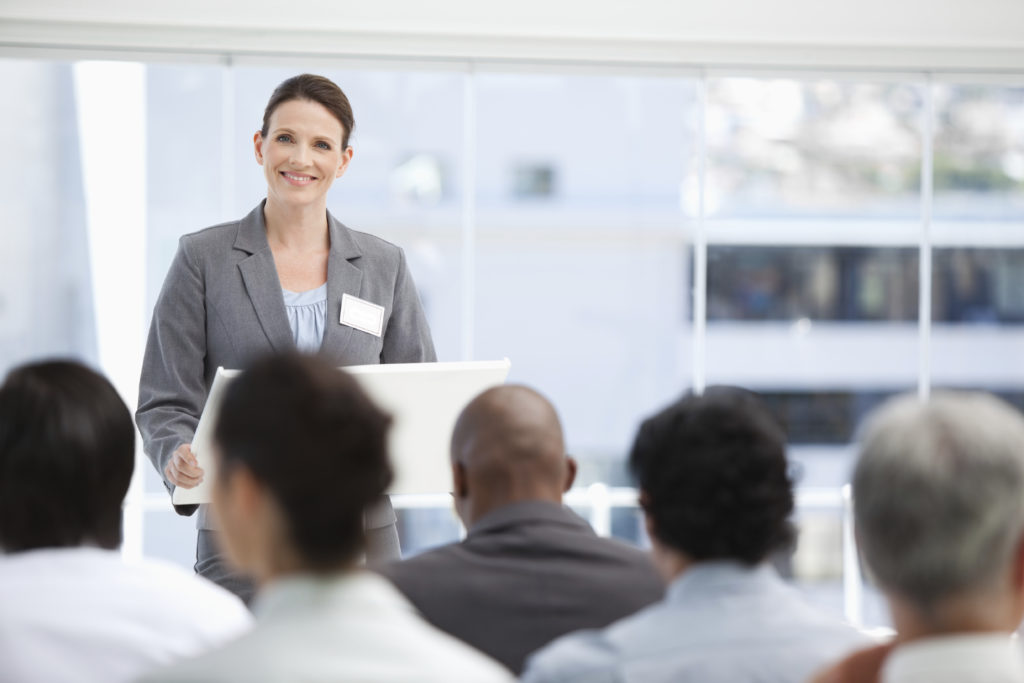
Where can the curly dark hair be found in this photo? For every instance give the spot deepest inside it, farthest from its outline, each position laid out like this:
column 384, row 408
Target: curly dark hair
column 714, row 478
column 309, row 433
column 67, row 451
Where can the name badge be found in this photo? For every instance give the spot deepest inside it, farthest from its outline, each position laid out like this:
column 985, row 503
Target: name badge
column 362, row 315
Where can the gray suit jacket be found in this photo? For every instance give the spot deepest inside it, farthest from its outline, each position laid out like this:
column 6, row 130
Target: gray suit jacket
column 525, row 574
column 221, row 305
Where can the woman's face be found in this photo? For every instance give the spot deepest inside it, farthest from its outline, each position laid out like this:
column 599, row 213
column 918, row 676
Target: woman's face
column 301, row 155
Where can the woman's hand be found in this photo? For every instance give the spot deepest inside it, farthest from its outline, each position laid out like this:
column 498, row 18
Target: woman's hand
column 183, row 470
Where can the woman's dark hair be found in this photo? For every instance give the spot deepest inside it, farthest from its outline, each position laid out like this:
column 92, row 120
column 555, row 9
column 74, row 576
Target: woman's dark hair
column 713, row 474
column 315, row 89
column 312, row 437
column 67, row 450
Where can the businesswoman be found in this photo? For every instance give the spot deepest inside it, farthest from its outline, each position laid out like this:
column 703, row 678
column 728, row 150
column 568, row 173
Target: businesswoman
column 287, row 276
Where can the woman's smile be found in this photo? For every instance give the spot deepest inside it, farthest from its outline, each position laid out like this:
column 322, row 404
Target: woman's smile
column 298, row 178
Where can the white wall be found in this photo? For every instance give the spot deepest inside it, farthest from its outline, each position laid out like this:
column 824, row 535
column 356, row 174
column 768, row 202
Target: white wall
column 943, row 34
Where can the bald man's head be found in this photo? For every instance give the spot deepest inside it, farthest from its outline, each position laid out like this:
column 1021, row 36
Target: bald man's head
column 507, row 447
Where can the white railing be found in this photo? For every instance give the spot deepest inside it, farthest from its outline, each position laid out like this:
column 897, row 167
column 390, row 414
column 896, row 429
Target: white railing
column 600, row 501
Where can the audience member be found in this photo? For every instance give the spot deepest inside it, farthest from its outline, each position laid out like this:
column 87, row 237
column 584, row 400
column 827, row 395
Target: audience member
column 70, row 608
column 529, row 569
column 301, row 452
column 939, row 509
column 717, row 497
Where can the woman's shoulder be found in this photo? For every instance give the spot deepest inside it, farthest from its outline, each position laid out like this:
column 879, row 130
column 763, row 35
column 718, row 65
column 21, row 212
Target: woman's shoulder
column 208, row 246
column 246, row 232
column 213, row 236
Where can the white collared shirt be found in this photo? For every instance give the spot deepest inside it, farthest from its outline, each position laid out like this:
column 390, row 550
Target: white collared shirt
column 973, row 658
column 350, row 626
column 84, row 614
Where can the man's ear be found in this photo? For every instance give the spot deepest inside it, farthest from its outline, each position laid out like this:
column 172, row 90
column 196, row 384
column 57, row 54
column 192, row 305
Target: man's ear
column 645, row 500
column 1018, row 566
column 460, row 481
column 237, row 496
column 248, row 491
column 571, row 468
column 460, row 493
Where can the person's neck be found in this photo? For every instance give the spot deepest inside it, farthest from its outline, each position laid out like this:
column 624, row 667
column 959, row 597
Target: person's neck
column 974, row 614
column 290, row 566
column 297, row 228
column 671, row 564
column 481, row 506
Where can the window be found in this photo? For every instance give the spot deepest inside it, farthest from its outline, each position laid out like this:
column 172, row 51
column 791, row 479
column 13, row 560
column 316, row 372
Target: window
column 557, row 219
column 812, row 283
column 978, row 286
column 46, row 302
column 824, row 147
column 979, row 153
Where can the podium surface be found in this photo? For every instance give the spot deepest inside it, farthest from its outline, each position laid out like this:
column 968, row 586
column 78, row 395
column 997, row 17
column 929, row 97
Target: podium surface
column 424, row 400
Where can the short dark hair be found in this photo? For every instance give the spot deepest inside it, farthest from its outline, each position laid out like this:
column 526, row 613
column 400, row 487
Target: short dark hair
column 308, row 432
column 67, row 451
column 317, row 89
column 714, row 478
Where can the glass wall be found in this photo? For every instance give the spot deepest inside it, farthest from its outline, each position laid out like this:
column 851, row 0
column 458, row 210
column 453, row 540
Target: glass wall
column 46, row 303
column 978, row 260
column 562, row 219
column 581, row 246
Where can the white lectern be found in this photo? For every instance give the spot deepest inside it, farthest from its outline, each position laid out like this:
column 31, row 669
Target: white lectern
column 423, row 398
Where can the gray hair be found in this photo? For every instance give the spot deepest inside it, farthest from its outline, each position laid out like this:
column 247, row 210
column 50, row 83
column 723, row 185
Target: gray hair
column 939, row 494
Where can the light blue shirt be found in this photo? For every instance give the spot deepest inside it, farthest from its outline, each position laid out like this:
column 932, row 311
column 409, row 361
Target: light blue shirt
column 307, row 316
column 720, row 622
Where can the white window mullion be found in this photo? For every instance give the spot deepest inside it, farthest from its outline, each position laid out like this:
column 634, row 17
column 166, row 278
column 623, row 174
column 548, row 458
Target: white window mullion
column 924, row 313
column 469, row 154
column 700, row 243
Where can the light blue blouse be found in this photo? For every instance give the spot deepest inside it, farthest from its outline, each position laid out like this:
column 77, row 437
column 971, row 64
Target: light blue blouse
column 307, row 316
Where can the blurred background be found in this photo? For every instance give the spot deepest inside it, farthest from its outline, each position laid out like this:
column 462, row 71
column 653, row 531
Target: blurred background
column 622, row 229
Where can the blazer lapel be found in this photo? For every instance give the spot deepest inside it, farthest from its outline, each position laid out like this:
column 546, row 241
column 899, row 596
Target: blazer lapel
column 261, row 282
column 343, row 277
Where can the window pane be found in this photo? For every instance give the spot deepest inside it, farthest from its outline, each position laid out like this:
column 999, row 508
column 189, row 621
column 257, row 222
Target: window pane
column 185, row 175
column 979, row 152
column 978, row 286
column 821, row 417
column 978, row 308
column 558, row 152
column 599, row 329
column 821, row 147
column 46, row 305
column 581, row 267
column 814, row 283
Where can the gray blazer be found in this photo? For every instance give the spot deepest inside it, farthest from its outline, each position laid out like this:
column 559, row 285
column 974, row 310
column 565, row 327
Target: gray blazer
column 525, row 574
column 221, row 305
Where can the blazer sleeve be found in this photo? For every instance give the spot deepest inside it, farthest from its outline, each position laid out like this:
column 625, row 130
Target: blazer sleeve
column 172, row 387
column 407, row 337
